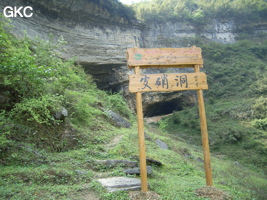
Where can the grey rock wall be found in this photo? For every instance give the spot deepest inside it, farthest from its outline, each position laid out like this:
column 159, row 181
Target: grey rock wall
column 175, row 34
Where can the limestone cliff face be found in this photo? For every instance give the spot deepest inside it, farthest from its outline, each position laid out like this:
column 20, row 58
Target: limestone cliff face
column 177, row 34
column 99, row 37
column 180, row 34
column 93, row 34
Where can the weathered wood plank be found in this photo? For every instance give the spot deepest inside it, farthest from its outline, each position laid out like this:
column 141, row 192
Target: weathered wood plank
column 167, row 82
column 169, row 57
column 204, row 134
column 141, row 137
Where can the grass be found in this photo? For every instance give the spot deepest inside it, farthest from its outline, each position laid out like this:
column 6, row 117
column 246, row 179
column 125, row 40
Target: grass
column 73, row 173
column 228, row 125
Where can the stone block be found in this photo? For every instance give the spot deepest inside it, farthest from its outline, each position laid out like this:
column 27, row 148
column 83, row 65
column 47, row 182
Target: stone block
column 120, row 183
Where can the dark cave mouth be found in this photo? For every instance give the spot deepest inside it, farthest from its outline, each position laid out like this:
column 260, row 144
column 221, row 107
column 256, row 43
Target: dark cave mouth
column 163, row 108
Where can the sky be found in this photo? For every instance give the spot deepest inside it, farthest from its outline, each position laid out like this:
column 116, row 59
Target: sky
column 130, row 1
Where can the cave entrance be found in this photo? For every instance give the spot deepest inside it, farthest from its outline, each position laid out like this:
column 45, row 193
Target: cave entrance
column 163, row 108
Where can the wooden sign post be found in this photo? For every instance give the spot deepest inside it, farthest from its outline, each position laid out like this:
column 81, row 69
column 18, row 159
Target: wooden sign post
column 138, row 83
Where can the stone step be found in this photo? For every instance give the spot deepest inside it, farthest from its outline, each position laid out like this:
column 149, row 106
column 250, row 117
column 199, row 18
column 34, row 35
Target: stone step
column 120, row 183
column 136, row 170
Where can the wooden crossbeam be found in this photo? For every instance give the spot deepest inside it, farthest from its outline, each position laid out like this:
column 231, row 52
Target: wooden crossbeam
column 164, row 57
column 167, row 82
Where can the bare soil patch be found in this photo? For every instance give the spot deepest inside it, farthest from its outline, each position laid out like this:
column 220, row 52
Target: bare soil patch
column 85, row 194
column 138, row 195
column 212, row 193
column 155, row 119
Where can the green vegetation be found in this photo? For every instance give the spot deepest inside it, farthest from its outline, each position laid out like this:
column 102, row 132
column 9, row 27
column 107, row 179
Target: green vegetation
column 236, row 69
column 47, row 157
column 116, row 8
column 201, row 12
column 235, row 104
column 35, row 85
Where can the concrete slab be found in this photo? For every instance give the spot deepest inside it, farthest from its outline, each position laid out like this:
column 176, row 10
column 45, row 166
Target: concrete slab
column 120, row 183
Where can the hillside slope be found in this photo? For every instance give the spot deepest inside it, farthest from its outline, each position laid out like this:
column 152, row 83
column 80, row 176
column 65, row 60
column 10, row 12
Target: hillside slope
column 57, row 128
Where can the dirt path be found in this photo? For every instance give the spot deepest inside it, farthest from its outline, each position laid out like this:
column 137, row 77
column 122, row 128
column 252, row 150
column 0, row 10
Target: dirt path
column 114, row 142
column 155, row 119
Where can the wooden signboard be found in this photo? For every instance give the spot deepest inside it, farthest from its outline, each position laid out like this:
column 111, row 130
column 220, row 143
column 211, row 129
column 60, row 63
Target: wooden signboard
column 163, row 58
column 167, row 82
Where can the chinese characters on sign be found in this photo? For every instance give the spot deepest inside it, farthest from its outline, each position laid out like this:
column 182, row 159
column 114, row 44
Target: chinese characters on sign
column 182, row 80
column 163, row 81
column 145, row 80
column 167, row 82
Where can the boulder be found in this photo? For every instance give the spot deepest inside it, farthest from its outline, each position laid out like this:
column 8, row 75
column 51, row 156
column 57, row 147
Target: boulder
column 200, row 160
column 80, row 172
column 136, row 170
column 162, row 144
column 61, row 113
column 153, row 161
column 119, row 120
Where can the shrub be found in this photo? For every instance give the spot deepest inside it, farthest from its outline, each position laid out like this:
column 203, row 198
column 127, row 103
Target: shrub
column 176, row 118
column 4, row 129
column 37, row 83
column 117, row 103
column 260, row 124
column 37, row 110
column 19, row 71
column 260, row 108
column 83, row 107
